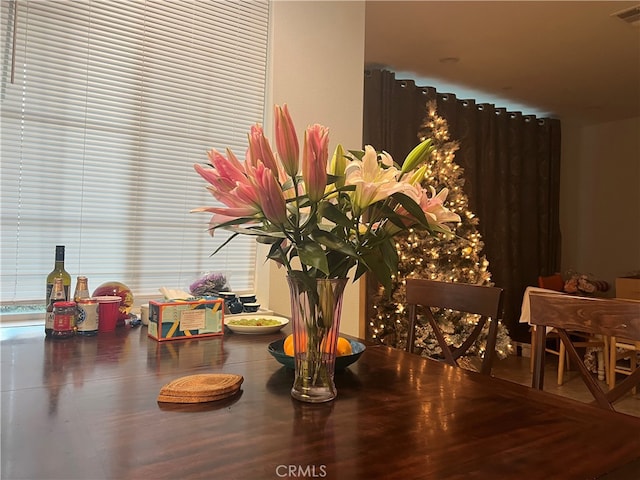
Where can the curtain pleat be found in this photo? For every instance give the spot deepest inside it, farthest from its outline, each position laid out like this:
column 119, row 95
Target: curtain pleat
column 512, row 173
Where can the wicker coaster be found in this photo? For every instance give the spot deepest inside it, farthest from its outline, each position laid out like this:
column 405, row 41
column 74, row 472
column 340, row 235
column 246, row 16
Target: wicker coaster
column 200, row 388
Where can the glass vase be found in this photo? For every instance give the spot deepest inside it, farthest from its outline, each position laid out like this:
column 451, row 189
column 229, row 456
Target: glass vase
column 316, row 306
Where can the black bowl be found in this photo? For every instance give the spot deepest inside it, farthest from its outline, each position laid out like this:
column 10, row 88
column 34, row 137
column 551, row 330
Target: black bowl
column 276, row 349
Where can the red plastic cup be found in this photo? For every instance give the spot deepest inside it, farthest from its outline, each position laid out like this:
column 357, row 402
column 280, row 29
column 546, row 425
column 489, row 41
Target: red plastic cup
column 108, row 309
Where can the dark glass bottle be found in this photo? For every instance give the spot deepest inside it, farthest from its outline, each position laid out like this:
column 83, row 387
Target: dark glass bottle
column 57, row 295
column 59, row 272
column 64, row 319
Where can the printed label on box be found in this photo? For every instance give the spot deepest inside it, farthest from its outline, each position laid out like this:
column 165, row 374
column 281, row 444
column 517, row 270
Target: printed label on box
column 173, row 319
column 192, row 320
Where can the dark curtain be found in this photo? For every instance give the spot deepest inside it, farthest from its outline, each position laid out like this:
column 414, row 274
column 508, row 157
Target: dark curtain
column 512, row 170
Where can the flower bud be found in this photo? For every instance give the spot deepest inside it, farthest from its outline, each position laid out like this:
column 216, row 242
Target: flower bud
column 418, row 155
column 286, row 140
column 314, row 161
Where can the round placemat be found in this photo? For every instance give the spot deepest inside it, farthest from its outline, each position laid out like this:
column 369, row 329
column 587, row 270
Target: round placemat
column 207, row 387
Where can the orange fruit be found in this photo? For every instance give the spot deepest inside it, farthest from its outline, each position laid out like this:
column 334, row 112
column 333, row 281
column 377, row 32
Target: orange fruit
column 343, row 347
column 288, row 345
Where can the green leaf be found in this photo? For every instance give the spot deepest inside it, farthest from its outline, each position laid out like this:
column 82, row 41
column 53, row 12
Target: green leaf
column 313, row 255
column 390, row 255
column 267, row 239
column 224, row 244
column 346, row 188
column 340, row 264
column 359, row 154
column 412, row 207
column 256, row 231
column 235, row 221
column 333, row 242
column 333, row 178
column 308, row 284
column 277, row 253
column 332, row 213
column 378, row 268
column 360, row 270
column 289, row 183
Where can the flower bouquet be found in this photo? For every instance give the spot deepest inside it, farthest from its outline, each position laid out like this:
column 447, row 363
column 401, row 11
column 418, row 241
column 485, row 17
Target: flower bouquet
column 583, row 284
column 324, row 219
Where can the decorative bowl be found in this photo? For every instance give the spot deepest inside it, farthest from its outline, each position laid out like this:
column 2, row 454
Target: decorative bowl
column 276, row 349
column 227, row 295
column 251, row 307
column 246, row 324
column 247, row 298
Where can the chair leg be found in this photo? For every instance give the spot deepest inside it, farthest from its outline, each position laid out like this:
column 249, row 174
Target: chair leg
column 533, row 347
column 632, row 365
column 561, row 359
column 612, row 362
column 411, row 335
column 605, row 358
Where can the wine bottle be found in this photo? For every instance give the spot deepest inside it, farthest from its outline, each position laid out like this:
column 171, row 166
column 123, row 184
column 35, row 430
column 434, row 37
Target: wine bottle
column 59, row 272
column 57, row 295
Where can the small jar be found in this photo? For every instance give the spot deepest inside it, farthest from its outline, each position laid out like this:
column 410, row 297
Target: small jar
column 87, row 319
column 64, row 320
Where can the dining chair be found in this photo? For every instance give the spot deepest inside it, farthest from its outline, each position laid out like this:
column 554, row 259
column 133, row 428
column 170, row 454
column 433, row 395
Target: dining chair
column 485, row 301
column 622, row 348
column 555, row 282
column 596, row 316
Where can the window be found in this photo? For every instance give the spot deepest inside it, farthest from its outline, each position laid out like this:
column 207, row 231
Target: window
column 111, row 105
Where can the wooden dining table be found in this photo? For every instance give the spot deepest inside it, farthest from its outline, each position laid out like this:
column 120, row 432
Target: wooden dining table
column 85, row 408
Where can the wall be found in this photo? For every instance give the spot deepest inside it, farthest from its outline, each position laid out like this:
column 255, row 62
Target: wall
column 316, row 67
column 600, row 198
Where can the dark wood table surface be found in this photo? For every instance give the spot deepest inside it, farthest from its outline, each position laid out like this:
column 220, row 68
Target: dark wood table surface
column 86, row 408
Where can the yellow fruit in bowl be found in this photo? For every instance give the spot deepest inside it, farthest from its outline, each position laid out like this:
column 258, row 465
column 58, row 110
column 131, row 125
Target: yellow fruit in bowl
column 343, row 347
column 288, row 345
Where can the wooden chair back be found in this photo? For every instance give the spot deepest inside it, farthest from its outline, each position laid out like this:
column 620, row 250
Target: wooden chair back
column 475, row 299
column 598, row 316
column 551, row 282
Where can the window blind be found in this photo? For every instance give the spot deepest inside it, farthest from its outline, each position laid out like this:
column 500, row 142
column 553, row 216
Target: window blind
column 112, row 104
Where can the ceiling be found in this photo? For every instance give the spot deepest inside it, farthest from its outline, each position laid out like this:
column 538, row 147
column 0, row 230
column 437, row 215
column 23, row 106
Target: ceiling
column 568, row 60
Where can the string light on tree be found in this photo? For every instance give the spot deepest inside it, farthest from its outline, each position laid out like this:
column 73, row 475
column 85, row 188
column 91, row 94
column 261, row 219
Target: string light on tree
column 454, row 259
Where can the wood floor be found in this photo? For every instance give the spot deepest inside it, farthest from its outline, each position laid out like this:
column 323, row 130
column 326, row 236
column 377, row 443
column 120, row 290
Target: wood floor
column 516, row 369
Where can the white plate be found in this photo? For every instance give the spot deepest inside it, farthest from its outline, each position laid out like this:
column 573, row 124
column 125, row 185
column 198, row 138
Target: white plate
column 253, row 329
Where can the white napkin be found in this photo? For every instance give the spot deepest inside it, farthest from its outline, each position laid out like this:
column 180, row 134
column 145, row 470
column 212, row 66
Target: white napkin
column 174, row 294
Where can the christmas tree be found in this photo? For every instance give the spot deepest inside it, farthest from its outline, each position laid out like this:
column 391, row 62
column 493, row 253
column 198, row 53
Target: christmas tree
column 449, row 258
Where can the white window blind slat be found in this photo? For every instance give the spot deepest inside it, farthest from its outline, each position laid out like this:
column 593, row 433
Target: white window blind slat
column 112, row 104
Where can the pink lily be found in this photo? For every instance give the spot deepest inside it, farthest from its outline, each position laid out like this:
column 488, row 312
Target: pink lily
column 270, row 194
column 229, row 184
column 314, row 161
column 228, row 167
column 287, row 140
column 260, row 150
column 433, row 207
column 234, row 194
